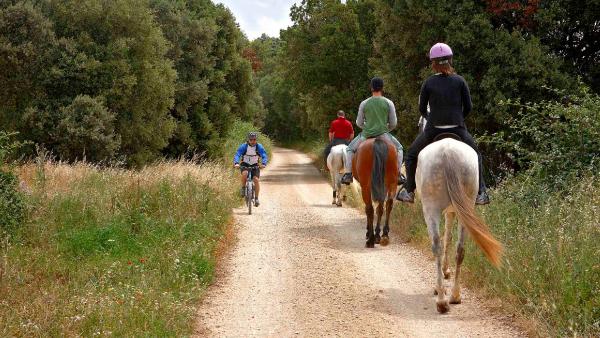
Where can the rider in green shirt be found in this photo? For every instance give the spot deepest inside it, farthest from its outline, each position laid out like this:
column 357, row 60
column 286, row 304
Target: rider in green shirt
column 376, row 116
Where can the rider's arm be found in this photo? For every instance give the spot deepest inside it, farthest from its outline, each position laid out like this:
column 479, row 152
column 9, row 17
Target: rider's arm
column 423, row 100
column 330, row 136
column 238, row 155
column 263, row 154
column 466, row 99
column 360, row 118
column 392, row 119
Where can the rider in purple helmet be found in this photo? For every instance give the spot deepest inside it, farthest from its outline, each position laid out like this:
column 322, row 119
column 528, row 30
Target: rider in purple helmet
column 449, row 100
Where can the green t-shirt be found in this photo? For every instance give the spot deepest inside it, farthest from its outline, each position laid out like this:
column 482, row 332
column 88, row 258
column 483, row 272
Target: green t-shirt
column 376, row 116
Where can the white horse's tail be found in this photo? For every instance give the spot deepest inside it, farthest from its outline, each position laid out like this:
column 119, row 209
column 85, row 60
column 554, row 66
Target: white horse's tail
column 465, row 210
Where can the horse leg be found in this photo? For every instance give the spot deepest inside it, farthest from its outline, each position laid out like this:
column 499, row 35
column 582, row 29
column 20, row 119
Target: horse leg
column 460, row 255
column 433, row 220
column 338, row 188
column 333, row 185
column 370, row 235
column 447, row 242
column 378, row 227
column 389, row 204
column 366, row 195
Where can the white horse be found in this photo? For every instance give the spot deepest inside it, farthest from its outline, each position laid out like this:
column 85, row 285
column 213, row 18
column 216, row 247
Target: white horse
column 335, row 164
column 447, row 179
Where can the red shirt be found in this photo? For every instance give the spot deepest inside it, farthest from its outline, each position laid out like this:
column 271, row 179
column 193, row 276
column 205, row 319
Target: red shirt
column 341, row 128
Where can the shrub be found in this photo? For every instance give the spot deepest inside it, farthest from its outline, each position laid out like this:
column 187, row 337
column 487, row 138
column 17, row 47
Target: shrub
column 87, row 130
column 12, row 208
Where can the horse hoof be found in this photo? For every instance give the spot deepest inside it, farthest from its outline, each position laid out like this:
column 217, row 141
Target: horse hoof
column 333, row 202
column 377, row 240
column 384, row 241
column 344, row 198
column 339, row 204
column 455, row 300
column 443, row 306
column 370, row 244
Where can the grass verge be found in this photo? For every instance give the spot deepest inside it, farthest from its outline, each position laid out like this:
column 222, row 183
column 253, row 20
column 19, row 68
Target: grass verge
column 111, row 251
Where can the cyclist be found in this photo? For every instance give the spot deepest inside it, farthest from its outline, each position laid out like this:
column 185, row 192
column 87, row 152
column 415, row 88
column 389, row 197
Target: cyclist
column 248, row 153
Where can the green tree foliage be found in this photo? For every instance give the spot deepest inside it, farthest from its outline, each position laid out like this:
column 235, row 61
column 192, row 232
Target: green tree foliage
column 497, row 63
column 86, row 126
column 326, row 60
column 157, row 77
column 570, row 28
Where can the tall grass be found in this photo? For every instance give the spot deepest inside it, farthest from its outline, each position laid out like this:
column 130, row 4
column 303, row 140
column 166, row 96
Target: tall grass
column 551, row 237
column 111, row 251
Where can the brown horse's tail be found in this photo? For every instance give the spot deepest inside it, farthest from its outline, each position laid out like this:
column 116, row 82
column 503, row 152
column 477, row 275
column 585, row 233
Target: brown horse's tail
column 465, row 210
column 380, row 154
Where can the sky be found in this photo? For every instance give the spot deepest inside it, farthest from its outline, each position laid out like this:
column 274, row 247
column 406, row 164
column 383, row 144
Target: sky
column 256, row 17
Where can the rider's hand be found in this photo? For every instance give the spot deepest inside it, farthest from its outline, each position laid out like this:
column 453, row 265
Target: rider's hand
column 237, row 165
column 261, row 166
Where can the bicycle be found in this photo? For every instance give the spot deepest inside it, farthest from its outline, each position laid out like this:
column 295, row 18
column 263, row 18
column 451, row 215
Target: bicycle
column 249, row 191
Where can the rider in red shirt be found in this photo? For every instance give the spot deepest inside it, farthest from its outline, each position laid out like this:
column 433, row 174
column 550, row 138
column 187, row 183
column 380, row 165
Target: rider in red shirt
column 340, row 132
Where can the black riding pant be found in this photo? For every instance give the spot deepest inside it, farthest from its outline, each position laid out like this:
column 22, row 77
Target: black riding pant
column 423, row 140
column 333, row 143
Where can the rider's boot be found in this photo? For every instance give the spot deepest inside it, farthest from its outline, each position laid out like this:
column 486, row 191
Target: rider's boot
column 482, row 198
column 256, row 202
column 405, row 196
column 347, row 178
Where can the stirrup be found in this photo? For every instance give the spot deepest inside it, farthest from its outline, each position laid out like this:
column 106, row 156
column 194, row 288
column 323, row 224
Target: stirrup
column 482, row 199
column 401, row 179
column 347, row 178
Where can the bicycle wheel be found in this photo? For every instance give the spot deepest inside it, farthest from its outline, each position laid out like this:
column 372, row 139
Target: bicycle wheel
column 249, row 197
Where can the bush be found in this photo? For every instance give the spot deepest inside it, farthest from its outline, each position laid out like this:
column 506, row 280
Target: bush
column 555, row 140
column 12, row 208
column 87, row 130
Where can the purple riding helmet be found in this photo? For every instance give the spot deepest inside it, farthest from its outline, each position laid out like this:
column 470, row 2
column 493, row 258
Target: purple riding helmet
column 440, row 53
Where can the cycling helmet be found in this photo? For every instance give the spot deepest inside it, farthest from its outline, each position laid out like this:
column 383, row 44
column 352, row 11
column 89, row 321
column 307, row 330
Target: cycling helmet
column 252, row 135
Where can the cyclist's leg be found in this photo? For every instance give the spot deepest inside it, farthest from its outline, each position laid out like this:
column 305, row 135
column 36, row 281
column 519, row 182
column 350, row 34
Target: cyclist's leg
column 244, row 177
column 256, row 179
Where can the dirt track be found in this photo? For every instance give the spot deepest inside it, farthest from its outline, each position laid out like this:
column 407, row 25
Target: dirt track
column 299, row 268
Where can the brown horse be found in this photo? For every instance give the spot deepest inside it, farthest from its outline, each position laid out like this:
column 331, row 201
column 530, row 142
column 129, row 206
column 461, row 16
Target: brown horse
column 375, row 167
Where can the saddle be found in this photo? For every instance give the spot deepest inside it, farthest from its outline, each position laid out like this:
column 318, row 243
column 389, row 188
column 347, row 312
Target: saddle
column 447, row 135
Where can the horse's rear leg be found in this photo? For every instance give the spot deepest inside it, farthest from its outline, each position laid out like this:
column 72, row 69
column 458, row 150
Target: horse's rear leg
column 339, row 186
column 385, row 239
column 460, row 255
column 447, row 243
column 378, row 227
column 333, row 184
column 432, row 217
column 370, row 235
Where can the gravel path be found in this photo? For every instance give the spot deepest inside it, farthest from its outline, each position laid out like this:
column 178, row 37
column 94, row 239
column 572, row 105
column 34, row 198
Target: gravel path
column 299, row 268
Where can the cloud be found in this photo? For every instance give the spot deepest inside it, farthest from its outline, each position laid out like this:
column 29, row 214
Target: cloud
column 261, row 16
